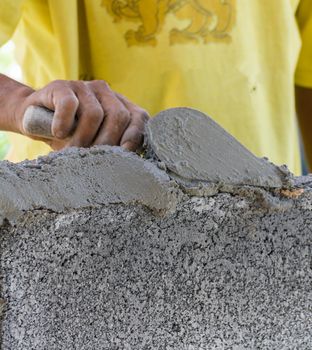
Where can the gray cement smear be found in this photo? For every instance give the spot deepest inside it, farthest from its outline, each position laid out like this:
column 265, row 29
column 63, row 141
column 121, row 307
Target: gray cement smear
column 88, row 263
column 80, row 178
column 194, row 147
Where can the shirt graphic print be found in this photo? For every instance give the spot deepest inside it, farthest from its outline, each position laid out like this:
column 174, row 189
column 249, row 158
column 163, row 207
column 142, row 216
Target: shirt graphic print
column 207, row 20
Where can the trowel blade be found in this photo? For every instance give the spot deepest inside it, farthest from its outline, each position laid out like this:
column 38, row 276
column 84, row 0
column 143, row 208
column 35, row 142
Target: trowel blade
column 195, row 148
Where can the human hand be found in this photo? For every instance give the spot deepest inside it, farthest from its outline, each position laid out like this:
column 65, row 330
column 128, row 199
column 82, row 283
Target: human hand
column 86, row 114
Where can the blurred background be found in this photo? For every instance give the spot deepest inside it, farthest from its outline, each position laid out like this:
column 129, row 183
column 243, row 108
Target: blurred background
column 9, row 67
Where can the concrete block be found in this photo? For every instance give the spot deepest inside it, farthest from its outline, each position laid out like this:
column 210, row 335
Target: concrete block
column 150, row 265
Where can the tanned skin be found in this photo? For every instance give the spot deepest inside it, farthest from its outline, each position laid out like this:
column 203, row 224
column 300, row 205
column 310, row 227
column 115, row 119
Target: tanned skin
column 104, row 116
column 304, row 113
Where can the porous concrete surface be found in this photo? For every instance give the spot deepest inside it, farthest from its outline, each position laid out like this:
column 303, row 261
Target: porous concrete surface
column 229, row 271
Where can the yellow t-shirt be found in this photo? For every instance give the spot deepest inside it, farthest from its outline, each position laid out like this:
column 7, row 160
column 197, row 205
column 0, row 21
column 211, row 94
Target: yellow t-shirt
column 303, row 75
column 232, row 59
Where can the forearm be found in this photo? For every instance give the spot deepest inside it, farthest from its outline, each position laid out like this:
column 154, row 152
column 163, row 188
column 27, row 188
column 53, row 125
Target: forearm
column 304, row 114
column 12, row 93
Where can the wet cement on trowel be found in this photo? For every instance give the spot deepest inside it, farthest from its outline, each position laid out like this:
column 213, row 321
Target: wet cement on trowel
column 195, row 148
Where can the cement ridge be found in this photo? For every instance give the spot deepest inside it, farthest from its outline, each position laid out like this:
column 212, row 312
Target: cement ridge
column 77, row 178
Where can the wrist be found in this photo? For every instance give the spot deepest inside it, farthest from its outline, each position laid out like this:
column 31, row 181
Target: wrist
column 13, row 96
column 20, row 104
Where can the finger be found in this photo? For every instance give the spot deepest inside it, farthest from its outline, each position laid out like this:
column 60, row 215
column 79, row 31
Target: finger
column 59, row 97
column 55, row 144
column 133, row 108
column 65, row 105
column 133, row 136
column 90, row 116
column 124, row 100
column 132, row 139
column 116, row 121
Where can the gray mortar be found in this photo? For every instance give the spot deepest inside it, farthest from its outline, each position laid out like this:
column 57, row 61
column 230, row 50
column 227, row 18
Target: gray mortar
column 78, row 178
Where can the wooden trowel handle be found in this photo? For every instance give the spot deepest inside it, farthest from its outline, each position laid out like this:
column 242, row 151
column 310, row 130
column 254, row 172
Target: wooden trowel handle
column 38, row 121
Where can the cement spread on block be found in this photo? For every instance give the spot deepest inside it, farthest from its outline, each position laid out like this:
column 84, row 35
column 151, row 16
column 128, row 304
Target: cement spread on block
column 195, row 148
column 78, row 178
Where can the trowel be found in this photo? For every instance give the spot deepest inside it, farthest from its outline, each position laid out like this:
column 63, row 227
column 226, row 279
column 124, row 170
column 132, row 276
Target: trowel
column 192, row 147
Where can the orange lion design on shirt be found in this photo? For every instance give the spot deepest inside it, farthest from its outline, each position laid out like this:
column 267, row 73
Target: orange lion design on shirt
column 209, row 20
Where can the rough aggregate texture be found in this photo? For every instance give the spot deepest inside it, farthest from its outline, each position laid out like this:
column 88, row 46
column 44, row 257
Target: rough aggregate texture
column 220, row 272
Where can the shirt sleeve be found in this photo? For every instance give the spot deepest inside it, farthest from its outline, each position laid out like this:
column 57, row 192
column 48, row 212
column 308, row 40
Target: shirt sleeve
column 10, row 13
column 303, row 76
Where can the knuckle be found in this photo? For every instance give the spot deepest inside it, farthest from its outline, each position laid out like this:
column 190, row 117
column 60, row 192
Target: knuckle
column 100, row 84
column 95, row 114
column 123, row 117
column 144, row 116
column 57, row 82
column 141, row 115
column 78, row 84
column 69, row 102
column 138, row 125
